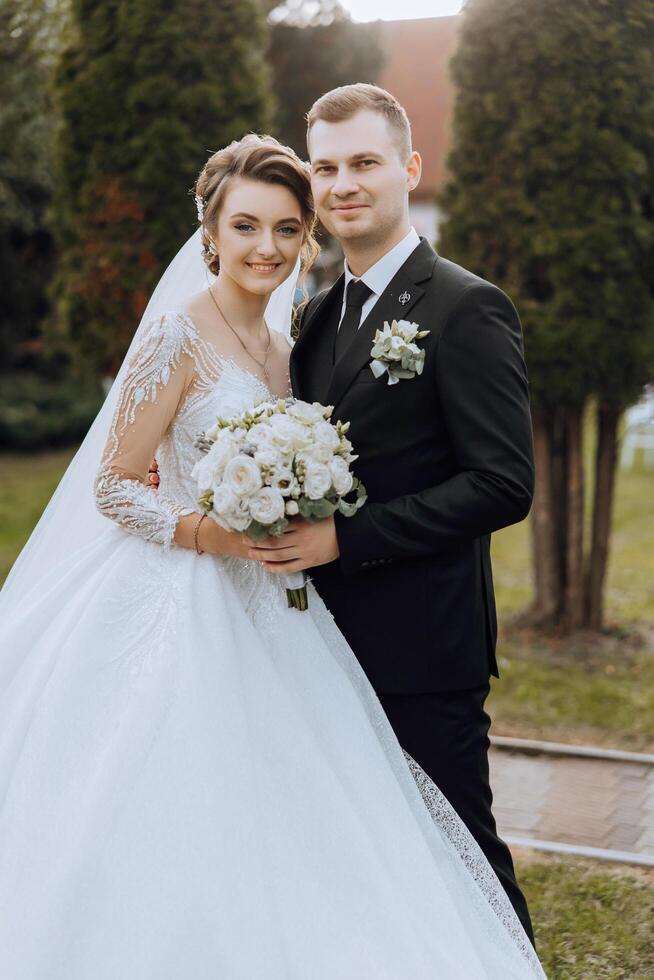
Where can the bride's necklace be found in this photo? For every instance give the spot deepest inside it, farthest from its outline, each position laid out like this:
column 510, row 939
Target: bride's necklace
column 261, row 364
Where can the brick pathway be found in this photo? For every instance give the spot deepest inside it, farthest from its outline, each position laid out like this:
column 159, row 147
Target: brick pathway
column 600, row 803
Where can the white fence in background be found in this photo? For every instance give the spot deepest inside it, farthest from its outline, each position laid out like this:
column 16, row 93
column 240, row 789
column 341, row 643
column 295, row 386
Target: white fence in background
column 639, row 433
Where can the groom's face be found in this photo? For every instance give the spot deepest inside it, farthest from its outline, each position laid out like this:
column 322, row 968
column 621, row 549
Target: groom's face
column 359, row 180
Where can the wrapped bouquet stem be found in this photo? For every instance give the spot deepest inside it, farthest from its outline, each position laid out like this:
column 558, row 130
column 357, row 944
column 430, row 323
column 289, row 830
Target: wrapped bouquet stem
column 274, row 462
column 296, row 591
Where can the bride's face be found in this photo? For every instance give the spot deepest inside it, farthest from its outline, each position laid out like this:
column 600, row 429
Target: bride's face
column 259, row 234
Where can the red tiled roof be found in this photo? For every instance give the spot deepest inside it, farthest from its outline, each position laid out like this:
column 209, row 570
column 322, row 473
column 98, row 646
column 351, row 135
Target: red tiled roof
column 416, row 72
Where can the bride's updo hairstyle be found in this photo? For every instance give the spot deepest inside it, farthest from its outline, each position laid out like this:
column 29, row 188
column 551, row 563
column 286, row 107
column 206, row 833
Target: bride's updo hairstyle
column 257, row 158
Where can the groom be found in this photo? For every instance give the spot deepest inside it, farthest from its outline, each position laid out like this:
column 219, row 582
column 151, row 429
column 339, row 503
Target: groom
column 446, row 456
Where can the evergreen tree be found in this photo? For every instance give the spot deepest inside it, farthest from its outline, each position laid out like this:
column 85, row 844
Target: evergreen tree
column 314, row 46
column 552, row 197
column 29, row 30
column 146, row 91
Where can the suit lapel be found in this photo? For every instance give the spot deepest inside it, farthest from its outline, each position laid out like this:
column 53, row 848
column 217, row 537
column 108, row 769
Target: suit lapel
column 312, row 354
column 395, row 303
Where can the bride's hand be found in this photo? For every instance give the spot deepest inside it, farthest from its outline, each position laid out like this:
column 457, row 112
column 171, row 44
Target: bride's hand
column 210, row 538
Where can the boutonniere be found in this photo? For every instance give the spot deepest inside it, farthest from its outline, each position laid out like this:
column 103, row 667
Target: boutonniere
column 394, row 351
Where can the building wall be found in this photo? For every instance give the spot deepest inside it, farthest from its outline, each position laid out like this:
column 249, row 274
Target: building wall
column 417, row 73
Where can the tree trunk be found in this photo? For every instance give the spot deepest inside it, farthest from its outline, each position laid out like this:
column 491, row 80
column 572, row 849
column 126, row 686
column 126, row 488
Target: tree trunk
column 559, row 481
column 573, row 611
column 608, row 418
column 544, row 609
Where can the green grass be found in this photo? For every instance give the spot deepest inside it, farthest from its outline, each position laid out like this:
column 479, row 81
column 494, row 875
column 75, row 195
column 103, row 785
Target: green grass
column 630, row 582
column 591, row 921
column 589, row 689
column 607, row 699
column 26, row 485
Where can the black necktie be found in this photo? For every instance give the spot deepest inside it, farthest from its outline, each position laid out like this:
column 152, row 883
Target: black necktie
column 355, row 296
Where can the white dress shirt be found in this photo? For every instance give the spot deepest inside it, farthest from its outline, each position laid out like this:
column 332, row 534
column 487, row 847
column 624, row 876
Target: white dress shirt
column 380, row 274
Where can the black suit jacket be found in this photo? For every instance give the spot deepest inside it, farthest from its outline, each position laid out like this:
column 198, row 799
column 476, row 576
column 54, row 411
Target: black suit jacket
column 446, row 458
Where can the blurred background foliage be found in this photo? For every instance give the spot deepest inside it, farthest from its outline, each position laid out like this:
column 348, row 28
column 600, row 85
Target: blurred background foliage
column 109, row 110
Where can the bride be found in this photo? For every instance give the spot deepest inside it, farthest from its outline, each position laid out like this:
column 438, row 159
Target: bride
column 197, row 782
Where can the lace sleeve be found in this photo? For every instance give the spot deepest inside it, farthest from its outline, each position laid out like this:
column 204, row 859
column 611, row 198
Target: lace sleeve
column 158, row 377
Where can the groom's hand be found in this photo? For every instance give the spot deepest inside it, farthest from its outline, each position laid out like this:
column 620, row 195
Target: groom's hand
column 303, row 545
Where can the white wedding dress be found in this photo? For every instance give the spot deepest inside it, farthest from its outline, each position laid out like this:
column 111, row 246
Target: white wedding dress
column 197, row 782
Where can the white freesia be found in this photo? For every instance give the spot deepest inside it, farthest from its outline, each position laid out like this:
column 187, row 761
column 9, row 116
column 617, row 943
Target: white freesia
column 242, row 475
column 317, row 481
column 267, row 506
column 395, row 353
column 408, row 329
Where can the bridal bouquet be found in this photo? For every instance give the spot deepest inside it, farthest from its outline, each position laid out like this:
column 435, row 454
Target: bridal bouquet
column 275, row 461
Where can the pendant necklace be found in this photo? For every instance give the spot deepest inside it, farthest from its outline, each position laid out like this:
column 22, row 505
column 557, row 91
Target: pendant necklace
column 267, row 351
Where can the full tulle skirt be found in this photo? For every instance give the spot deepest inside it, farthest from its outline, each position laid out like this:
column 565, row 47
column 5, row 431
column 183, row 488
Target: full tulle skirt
column 198, row 782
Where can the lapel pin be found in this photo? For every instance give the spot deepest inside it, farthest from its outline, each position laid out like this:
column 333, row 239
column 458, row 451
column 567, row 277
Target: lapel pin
column 405, row 297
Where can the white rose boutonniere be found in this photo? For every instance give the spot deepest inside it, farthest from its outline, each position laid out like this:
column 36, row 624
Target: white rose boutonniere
column 395, row 352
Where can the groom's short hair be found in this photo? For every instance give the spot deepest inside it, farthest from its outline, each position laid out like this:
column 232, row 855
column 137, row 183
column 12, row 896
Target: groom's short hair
column 344, row 102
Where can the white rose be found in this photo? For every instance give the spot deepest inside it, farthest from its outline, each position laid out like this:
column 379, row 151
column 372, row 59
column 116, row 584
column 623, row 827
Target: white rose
column 341, row 476
column 305, row 413
column 292, row 508
column 224, row 501
column 209, row 470
column 283, row 479
column 267, row 506
column 317, row 481
column 325, row 434
column 239, row 522
column 204, row 472
column 315, row 454
column 269, row 457
column 242, row 475
column 261, row 435
column 288, row 435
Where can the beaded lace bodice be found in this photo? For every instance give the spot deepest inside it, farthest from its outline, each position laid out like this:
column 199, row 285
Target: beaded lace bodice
column 177, row 383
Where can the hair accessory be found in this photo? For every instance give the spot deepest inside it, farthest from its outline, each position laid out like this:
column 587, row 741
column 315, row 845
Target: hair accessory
column 199, row 203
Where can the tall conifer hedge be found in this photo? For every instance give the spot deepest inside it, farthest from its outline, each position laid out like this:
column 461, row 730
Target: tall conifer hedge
column 146, row 91
column 552, row 196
